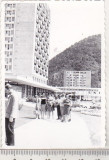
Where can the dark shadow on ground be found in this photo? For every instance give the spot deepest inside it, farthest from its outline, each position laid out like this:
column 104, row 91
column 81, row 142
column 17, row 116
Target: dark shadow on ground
column 29, row 117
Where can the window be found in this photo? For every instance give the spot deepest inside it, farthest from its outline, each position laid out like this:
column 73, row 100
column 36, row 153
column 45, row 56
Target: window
column 12, row 25
column 8, row 46
column 7, row 25
column 10, row 67
column 7, row 39
column 9, row 5
column 13, row 18
column 6, row 67
column 14, row 5
column 6, row 60
column 11, row 53
column 12, row 32
column 38, row 43
column 7, row 53
column 11, row 39
column 7, row 33
column 13, row 11
column 10, row 60
column 8, row 19
column 9, row 12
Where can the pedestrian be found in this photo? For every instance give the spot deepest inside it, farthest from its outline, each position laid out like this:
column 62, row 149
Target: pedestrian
column 10, row 114
column 52, row 101
column 67, row 108
column 57, row 103
column 38, row 107
column 49, row 108
column 62, row 98
column 43, row 106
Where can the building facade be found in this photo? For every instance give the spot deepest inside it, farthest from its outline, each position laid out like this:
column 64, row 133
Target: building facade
column 9, row 36
column 27, row 45
column 77, row 79
column 27, row 40
column 82, row 94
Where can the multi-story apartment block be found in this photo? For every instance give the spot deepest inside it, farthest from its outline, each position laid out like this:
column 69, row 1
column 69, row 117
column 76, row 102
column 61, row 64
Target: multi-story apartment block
column 77, row 79
column 27, row 42
column 41, row 42
column 9, row 35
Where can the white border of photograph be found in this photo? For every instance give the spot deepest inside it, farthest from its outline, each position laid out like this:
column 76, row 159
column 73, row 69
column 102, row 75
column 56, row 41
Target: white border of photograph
column 102, row 74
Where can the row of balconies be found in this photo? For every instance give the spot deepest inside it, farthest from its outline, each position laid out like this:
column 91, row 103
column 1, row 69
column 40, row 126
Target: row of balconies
column 42, row 37
column 40, row 72
column 8, row 53
column 42, row 8
column 9, row 12
column 42, row 18
column 42, row 31
column 8, row 60
column 40, row 67
column 41, row 51
column 42, row 34
column 43, row 23
column 37, row 68
column 9, row 39
column 42, row 43
column 9, row 19
column 41, row 57
column 41, row 61
column 8, row 46
column 8, row 68
column 9, row 32
column 39, row 6
column 9, row 26
column 8, row 5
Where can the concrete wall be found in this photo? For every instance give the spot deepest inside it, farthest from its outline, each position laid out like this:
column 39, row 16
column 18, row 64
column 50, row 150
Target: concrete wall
column 24, row 39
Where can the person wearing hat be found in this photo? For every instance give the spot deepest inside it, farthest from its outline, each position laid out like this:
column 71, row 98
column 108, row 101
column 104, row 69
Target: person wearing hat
column 10, row 114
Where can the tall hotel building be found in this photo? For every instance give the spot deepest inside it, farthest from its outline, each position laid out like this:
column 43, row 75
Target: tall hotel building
column 27, row 46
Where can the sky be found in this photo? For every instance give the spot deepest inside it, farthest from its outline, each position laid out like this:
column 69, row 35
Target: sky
column 72, row 21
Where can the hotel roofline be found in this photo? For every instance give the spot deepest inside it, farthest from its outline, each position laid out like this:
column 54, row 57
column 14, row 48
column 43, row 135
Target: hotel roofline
column 26, row 81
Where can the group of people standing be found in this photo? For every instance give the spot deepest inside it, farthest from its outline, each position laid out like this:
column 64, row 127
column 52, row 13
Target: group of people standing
column 45, row 106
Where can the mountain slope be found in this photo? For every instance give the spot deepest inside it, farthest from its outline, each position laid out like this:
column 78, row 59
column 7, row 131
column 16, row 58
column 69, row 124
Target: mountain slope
column 82, row 56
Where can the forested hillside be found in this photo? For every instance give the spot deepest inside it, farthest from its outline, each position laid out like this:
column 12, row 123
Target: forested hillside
column 82, row 56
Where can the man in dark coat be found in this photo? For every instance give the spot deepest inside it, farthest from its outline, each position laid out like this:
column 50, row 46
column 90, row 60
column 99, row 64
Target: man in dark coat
column 11, row 111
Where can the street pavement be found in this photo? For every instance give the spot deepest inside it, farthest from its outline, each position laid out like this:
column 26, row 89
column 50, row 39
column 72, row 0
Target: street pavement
column 53, row 134
column 82, row 132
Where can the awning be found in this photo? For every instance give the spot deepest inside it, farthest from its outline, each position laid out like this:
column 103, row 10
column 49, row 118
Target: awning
column 29, row 82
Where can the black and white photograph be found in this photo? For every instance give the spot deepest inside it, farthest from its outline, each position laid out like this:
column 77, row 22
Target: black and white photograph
column 54, row 83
